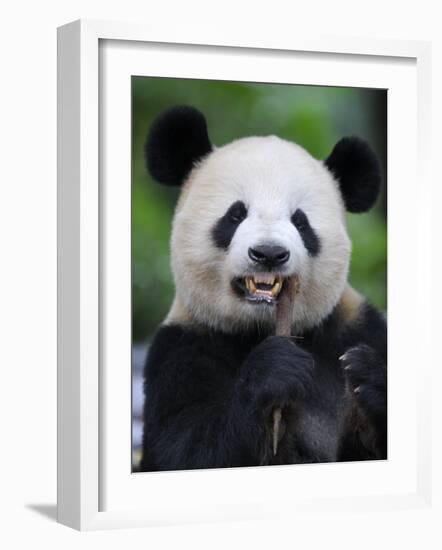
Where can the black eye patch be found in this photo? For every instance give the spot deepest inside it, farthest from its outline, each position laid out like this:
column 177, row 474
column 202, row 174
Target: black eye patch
column 309, row 237
column 225, row 227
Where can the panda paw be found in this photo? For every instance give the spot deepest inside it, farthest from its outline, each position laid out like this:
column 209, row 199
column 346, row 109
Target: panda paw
column 366, row 377
column 277, row 373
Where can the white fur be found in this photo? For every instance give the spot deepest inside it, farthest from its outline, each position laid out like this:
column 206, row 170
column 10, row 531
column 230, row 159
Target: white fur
column 273, row 177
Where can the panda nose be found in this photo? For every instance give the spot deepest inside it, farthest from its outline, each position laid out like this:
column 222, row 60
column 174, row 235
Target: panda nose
column 269, row 255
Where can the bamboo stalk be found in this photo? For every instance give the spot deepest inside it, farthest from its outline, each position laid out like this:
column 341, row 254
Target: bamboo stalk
column 284, row 317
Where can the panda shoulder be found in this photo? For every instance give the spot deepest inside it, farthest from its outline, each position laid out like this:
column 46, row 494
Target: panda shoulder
column 361, row 322
column 351, row 305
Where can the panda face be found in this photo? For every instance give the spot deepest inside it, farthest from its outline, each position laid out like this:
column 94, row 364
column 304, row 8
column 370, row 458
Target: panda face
column 252, row 214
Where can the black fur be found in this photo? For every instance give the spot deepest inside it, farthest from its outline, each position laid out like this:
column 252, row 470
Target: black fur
column 177, row 139
column 309, row 237
column 358, row 172
column 210, row 395
column 366, row 377
column 225, row 227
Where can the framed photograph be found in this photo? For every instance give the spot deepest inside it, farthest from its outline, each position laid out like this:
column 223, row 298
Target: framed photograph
column 224, row 294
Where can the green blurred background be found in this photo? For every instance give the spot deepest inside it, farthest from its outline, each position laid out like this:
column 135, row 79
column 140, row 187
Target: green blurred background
column 315, row 117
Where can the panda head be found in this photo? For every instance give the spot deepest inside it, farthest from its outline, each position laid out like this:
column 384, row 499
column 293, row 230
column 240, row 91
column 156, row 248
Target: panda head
column 252, row 213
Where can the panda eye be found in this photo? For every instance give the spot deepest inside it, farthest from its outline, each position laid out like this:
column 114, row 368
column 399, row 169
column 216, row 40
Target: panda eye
column 237, row 212
column 236, row 218
column 300, row 221
column 308, row 234
column 224, row 229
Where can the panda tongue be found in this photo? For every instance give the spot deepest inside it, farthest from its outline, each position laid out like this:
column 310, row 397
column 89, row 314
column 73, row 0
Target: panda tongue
column 263, row 286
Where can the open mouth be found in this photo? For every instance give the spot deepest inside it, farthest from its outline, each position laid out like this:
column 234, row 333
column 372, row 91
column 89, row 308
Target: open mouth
column 260, row 287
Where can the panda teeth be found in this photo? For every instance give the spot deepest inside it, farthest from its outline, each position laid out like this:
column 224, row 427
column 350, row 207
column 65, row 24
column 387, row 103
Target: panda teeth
column 267, row 279
column 275, row 284
column 250, row 285
column 276, row 289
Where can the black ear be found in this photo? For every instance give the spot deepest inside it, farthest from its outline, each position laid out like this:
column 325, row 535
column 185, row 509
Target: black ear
column 358, row 172
column 177, row 139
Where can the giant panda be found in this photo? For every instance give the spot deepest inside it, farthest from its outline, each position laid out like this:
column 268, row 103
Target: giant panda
column 250, row 215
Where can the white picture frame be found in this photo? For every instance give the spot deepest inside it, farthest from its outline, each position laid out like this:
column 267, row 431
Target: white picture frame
column 95, row 486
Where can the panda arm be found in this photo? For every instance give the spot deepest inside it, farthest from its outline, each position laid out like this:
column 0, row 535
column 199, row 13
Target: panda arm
column 364, row 423
column 203, row 410
column 193, row 417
